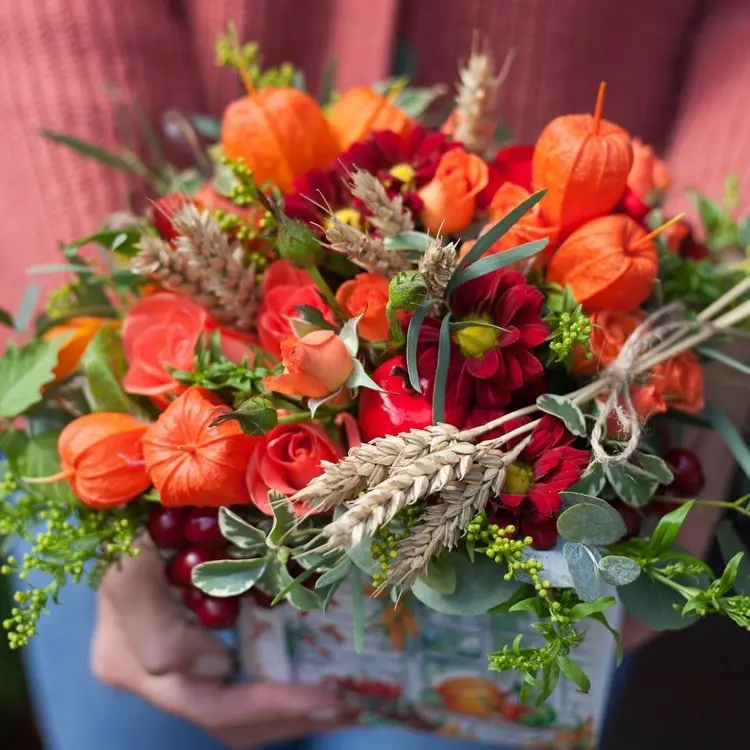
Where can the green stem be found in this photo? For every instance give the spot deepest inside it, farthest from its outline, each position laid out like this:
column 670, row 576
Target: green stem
column 304, row 416
column 735, row 505
column 326, row 291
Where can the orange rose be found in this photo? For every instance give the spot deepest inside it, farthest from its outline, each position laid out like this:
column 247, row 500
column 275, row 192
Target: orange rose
column 79, row 331
column 648, row 174
column 679, row 381
column 284, row 289
column 367, row 293
column 449, row 198
column 286, row 460
column 609, row 331
column 315, row 366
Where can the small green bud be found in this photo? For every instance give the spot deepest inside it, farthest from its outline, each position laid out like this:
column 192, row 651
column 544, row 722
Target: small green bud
column 298, row 244
column 407, row 290
column 256, row 416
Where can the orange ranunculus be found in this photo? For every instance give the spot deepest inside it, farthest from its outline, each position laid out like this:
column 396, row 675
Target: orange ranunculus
column 162, row 331
column 679, row 381
column 102, row 456
column 366, row 293
column 315, row 366
column 609, row 331
column 649, row 173
column 284, row 289
column 449, row 198
column 286, row 460
column 192, row 462
column 79, row 331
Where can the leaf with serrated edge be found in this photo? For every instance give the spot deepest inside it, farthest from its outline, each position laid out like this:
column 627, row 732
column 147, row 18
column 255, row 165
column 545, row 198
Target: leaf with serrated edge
column 225, row 578
column 238, row 531
column 591, row 524
column 633, row 485
column 565, row 410
column 584, row 571
column 619, row 571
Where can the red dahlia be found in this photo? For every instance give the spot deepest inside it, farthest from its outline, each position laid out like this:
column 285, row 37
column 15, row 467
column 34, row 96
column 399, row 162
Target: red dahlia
column 403, row 163
column 490, row 354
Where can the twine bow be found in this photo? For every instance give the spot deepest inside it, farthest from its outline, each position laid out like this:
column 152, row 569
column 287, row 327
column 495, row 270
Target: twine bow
column 621, row 375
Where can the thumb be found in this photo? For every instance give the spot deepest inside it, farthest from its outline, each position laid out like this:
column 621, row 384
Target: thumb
column 154, row 623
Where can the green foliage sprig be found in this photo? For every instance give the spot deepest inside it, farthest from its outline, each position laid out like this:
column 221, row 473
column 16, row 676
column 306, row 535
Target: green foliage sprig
column 568, row 323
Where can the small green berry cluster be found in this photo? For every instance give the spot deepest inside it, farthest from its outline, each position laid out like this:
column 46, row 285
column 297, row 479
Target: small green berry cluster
column 385, row 540
column 247, row 59
column 62, row 301
column 572, row 327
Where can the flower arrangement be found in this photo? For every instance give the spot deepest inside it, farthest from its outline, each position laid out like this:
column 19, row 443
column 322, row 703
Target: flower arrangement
column 365, row 350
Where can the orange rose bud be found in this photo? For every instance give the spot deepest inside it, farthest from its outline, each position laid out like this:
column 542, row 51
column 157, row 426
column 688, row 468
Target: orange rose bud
column 102, row 456
column 609, row 263
column 315, row 366
column 449, row 198
column 80, row 331
column 609, row 331
column 359, row 111
column 584, row 163
column 648, row 174
column 679, row 381
column 368, row 294
column 193, row 462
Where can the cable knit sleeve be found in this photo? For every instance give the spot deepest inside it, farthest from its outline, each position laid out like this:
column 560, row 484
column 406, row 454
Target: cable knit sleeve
column 56, row 59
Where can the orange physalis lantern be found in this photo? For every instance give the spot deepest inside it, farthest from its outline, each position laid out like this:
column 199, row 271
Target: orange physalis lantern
column 80, row 331
column 192, row 462
column 609, row 263
column 102, row 456
column 360, row 111
column 584, row 163
column 280, row 133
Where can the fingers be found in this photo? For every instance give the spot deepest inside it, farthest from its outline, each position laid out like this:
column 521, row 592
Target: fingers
column 154, row 624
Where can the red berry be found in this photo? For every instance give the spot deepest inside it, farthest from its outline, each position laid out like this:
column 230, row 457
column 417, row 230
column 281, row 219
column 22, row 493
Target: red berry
column 165, row 526
column 164, row 208
column 688, row 472
column 262, row 599
column 192, row 598
column 632, row 205
column 399, row 408
column 202, row 528
column 180, row 569
column 631, row 519
column 218, row 614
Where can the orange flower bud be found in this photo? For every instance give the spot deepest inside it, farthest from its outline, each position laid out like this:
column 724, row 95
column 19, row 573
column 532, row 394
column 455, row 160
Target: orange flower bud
column 192, row 462
column 80, row 331
column 609, row 331
column 315, row 365
column 102, row 456
column 649, row 173
column 368, row 294
column 679, row 380
column 449, row 198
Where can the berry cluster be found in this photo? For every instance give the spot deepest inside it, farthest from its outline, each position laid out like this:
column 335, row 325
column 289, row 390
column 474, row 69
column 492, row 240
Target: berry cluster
column 385, row 540
column 192, row 536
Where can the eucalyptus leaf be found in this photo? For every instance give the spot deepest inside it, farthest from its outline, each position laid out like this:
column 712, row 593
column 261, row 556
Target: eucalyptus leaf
column 618, row 570
column 656, row 466
column 633, row 485
column 412, row 338
column 564, row 409
column 440, row 575
column 591, row 524
column 441, row 372
column 554, row 566
column 584, row 571
column 225, row 578
column 571, row 498
column 592, row 481
column 238, row 531
column 729, row 433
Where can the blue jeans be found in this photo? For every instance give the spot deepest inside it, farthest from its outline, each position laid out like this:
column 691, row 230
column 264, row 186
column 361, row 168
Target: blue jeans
column 76, row 712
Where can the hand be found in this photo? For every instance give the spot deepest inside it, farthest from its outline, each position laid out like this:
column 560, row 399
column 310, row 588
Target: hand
column 143, row 644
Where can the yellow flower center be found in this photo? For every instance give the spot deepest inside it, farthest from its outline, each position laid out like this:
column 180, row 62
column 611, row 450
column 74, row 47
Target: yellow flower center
column 475, row 340
column 404, row 172
column 519, row 478
column 349, row 216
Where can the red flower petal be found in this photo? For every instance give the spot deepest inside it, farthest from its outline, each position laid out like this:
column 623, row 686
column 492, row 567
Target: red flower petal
column 546, row 502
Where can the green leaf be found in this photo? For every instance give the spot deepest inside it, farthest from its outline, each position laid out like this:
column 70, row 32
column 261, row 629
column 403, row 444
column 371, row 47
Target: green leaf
column 207, row 126
column 743, row 231
column 123, row 241
column 297, row 594
column 602, row 620
column 591, row 524
column 653, row 604
column 479, row 587
column 494, row 262
column 729, row 576
column 441, row 372
column 417, row 241
column 665, row 533
column 225, row 578
column 571, row 498
column 6, row 318
column 583, row 570
column 59, row 268
column 592, row 482
column 358, row 610
column 24, row 371
column 550, row 678
column 415, row 101
column 103, row 362
column 730, row 545
column 256, row 416
column 40, row 458
column 440, row 575
column 412, row 338
column 361, row 556
column 587, row 609
column 574, row 673
column 274, row 577
column 489, row 238
column 710, row 353
column 565, row 410
column 335, row 575
column 283, row 519
column 617, row 570
column 312, row 315
column 28, row 305
column 633, row 485
column 656, row 466
column 238, row 531
column 325, row 91
column 734, row 441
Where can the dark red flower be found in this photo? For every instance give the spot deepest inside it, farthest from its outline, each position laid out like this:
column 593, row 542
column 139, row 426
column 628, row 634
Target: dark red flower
column 403, row 163
column 511, row 164
column 632, row 205
column 490, row 355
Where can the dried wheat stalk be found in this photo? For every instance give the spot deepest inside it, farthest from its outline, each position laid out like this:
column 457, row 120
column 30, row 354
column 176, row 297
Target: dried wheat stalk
column 388, row 215
column 437, row 265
